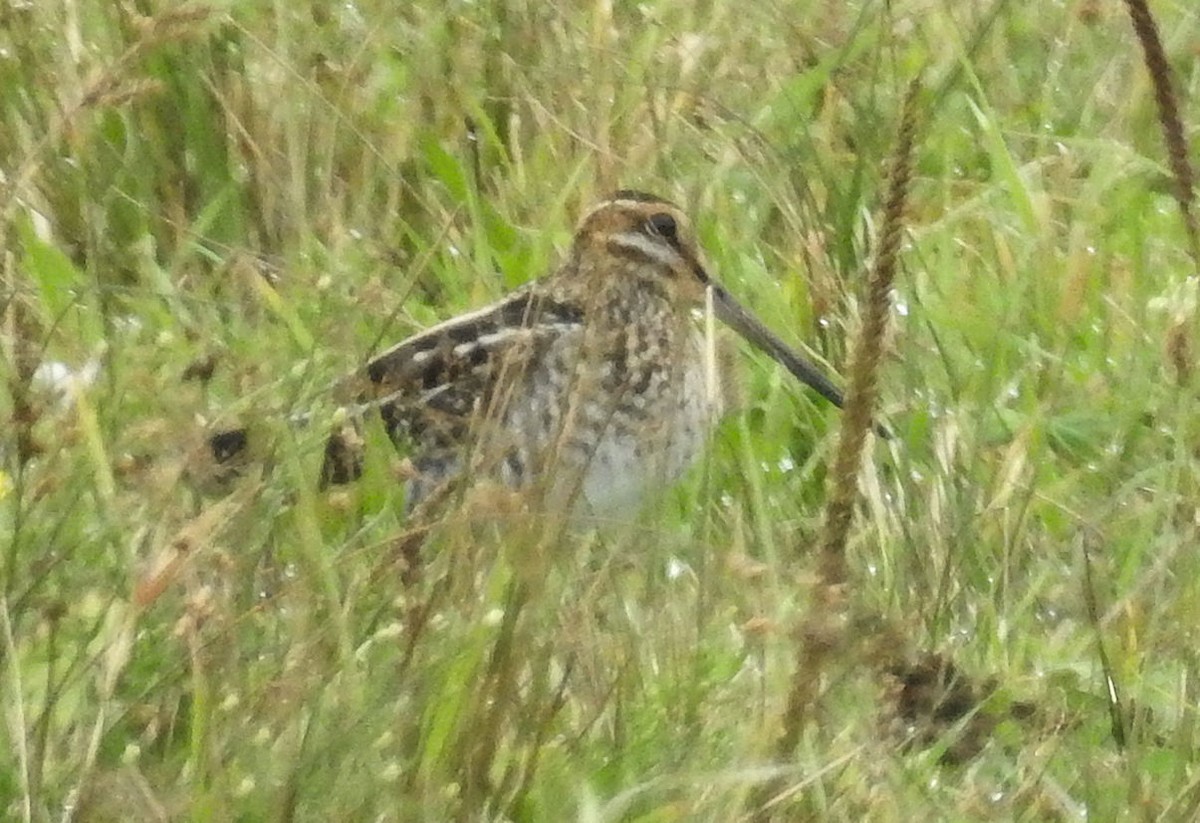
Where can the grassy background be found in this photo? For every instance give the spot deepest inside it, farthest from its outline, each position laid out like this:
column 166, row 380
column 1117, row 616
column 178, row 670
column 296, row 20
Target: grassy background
column 209, row 212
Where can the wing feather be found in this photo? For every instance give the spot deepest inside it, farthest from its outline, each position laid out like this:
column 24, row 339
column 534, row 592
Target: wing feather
column 430, row 387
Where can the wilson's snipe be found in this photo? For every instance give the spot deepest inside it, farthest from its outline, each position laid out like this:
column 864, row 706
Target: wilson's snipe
column 593, row 386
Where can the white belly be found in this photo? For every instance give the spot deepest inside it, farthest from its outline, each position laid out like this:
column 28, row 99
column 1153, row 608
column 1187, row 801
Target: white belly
column 605, row 460
column 627, row 469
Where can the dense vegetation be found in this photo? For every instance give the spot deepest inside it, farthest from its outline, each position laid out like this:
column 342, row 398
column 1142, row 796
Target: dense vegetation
column 210, row 212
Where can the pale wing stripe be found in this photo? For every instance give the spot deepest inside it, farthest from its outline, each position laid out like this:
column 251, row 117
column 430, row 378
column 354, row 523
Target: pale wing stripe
column 460, row 320
column 531, row 306
column 486, row 341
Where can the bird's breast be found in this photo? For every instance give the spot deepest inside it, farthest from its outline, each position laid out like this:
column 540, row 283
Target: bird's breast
column 606, row 428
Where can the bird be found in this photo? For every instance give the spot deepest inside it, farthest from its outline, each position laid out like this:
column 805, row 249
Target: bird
column 591, row 387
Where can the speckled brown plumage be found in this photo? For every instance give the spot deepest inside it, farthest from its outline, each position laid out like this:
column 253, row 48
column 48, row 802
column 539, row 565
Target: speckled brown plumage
column 593, row 385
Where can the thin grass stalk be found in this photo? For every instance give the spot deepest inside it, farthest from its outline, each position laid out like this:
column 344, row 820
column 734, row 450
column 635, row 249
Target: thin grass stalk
column 819, row 634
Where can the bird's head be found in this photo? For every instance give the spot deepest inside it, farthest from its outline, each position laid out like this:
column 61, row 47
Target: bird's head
column 642, row 237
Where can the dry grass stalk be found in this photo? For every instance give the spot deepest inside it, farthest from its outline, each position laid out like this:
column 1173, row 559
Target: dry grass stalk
column 820, row 633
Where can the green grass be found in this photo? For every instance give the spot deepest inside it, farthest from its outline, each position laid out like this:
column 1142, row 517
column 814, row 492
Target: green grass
column 284, row 188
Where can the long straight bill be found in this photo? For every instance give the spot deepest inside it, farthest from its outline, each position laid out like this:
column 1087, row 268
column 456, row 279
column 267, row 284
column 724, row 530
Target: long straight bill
column 730, row 312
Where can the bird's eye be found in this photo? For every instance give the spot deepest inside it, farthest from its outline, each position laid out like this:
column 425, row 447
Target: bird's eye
column 663, row 225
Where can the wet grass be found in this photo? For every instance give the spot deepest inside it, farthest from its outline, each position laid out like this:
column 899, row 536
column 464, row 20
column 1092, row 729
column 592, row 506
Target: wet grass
column 210, row 212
